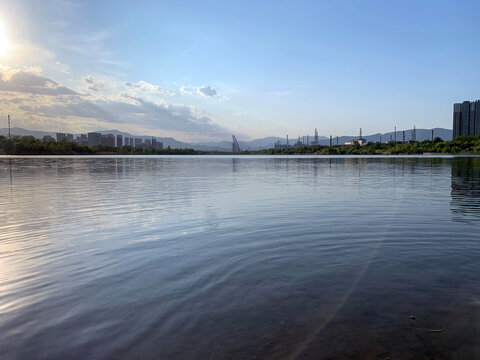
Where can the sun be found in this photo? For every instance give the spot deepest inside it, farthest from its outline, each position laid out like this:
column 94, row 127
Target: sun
column 4, row 43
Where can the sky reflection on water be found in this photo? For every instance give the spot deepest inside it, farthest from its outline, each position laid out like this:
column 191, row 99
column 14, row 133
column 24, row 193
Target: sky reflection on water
column 220, row 257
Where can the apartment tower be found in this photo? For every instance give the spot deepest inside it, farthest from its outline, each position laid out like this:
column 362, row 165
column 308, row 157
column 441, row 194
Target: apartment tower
column 466, row 118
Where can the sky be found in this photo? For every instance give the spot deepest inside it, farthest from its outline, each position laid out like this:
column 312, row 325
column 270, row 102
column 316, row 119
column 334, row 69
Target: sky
column 204, row 70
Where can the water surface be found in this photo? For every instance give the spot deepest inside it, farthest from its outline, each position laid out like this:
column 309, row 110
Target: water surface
column 239, row 257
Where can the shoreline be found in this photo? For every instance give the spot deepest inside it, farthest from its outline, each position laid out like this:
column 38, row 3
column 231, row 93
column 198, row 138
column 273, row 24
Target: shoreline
column 460, row 146
column 237, row 156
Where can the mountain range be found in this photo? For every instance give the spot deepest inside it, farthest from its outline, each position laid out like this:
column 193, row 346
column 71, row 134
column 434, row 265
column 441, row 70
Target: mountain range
column 257, row 144
column 269, row 142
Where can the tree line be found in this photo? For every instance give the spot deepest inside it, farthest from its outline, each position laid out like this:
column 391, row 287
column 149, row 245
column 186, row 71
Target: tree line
column 460, row 145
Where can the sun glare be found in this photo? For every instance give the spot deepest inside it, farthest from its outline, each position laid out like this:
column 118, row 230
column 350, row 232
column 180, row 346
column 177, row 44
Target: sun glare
column 4, row 44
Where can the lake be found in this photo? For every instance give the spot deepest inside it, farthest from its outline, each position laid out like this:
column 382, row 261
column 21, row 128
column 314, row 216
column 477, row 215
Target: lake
column 220, row 257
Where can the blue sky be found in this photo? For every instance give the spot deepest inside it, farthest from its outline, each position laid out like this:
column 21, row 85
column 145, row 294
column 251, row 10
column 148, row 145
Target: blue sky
column 203, row 70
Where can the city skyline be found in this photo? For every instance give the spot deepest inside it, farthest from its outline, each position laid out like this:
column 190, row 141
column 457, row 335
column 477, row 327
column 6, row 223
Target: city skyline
column 97, row 138
column 201, row 73
column 401, row 135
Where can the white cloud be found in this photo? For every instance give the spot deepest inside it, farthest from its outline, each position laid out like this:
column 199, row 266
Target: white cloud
column 204, row 90
column 22, row 81
column 186, row 90
column 33, row 69
column 149, row 88
column 93, row 84
column 207, row 90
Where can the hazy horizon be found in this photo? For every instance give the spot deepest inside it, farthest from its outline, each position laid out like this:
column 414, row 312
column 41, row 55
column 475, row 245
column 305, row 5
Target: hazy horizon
column 201, row 71
column 408, row 132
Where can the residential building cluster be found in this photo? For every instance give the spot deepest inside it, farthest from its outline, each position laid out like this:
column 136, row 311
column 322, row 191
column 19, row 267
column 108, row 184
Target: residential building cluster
column 95, row 138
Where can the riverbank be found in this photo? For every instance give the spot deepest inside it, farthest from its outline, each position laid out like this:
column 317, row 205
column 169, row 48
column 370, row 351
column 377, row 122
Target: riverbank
column 28, row 145
column 462, row 145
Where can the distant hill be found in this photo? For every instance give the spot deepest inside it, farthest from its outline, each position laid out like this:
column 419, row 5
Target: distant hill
column 244, row 145
column 267, row 143
column 15, row 131
column 257, row 144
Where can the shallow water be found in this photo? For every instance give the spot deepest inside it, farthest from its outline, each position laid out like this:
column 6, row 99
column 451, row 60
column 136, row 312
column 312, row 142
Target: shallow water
column 239, row 257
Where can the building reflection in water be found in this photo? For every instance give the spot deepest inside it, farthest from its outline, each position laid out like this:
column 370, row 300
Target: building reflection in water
column 465, row 204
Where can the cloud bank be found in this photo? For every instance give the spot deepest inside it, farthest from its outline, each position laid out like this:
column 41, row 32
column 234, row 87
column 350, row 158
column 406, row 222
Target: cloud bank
column 149, row 88
column 30, row 95
column 20, row 81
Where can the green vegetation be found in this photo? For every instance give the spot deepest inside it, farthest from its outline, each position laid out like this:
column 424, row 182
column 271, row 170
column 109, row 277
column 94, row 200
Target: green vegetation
column 461, row 145
column 28, row 145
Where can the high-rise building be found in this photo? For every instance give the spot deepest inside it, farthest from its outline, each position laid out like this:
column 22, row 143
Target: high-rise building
column 466, row 118
column 138, row 142
column 83, row 139
column 119, row 140
column 157, row 144
column 61, row 136
column 94, row 139
column 64, row 136
column 108, row 140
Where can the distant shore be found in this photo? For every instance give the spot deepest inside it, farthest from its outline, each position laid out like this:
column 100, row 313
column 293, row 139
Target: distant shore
column 465, row 145
column 462, row 145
